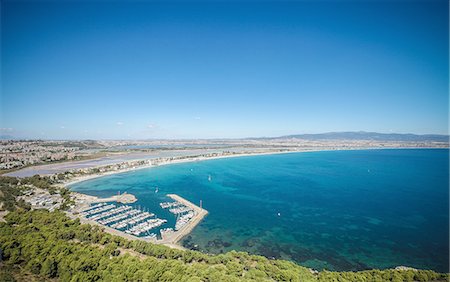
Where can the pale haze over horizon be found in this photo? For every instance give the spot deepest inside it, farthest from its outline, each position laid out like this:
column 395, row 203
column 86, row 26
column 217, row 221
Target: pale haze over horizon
column 154, row 70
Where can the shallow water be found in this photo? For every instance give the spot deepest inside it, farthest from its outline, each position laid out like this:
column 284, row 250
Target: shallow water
column 339, row 210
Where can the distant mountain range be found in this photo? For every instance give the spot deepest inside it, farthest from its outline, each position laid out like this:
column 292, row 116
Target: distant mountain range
column 362, row 135
column 350, row 135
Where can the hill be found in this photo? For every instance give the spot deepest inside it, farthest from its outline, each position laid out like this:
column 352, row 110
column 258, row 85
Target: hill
column 363, row 135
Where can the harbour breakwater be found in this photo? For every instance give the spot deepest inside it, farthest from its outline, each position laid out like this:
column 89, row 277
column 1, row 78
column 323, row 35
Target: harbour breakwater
column 198, row 214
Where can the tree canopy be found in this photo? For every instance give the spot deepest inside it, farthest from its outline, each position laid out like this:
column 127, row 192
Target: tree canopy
column 50, row 245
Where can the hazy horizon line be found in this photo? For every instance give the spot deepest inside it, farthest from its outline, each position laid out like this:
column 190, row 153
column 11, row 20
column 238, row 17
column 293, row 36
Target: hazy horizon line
column 13, row 138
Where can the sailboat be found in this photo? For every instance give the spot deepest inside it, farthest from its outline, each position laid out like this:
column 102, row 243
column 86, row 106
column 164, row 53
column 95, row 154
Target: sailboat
column 156, row 190
column 209, row 178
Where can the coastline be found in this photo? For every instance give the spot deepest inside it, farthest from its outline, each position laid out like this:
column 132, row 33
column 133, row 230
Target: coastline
column 194, row 159
column 172, row 239
column 203, row 158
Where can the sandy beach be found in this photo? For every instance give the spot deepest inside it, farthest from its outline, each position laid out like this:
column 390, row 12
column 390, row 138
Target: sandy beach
column 203, row 158
column 177, row 161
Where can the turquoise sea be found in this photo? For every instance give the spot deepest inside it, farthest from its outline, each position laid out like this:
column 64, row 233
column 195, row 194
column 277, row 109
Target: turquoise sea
column 335, row 210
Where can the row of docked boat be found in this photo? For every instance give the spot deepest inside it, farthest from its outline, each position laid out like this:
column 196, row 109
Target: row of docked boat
column 118, row 217
column 183, row 220
column 175, row 207
column 145, row 226
column 98, row 210
column 110, row 213
column 166, row 231
column 183, row 212
column 141, row 216
column 167, row 205
column 90, row 208
column 180, row 210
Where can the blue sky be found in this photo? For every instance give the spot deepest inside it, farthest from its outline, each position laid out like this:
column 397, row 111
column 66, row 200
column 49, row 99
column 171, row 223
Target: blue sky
column 142, row 69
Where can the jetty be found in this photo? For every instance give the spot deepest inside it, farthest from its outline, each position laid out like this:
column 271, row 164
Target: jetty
column 85, row 203
column 198, row 213
column 124, row 198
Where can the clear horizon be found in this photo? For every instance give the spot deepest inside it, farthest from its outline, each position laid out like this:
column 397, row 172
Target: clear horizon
column 153, row 70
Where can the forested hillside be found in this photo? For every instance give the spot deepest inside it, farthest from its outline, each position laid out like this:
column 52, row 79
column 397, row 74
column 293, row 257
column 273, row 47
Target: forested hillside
column 44, row 245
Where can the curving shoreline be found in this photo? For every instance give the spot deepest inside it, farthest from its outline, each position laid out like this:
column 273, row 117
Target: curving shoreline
column 172, row 239
column 177, row 161
column 236, row 155
column 204, row 158
column 172, row 242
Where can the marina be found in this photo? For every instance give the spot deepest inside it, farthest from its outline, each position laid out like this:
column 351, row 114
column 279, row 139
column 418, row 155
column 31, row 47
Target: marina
column 136, row 222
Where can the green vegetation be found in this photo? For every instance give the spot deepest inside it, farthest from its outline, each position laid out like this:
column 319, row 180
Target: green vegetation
column 11, row 188
column 49, row 245
column 37, row 181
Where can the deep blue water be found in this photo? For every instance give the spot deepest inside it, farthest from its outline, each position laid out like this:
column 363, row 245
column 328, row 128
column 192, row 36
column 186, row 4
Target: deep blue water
column 339, row 210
